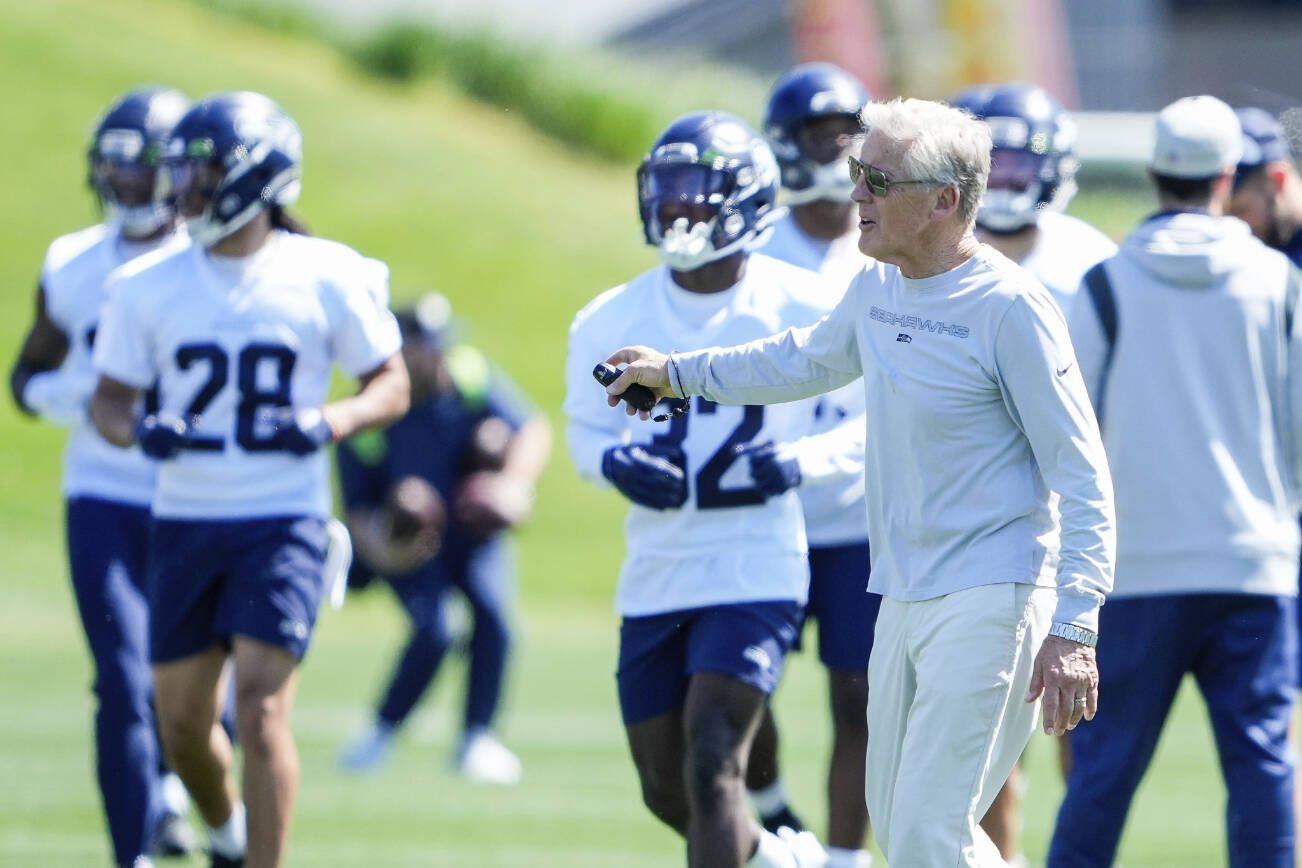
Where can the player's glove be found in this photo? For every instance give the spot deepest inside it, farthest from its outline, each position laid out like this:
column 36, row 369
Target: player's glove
column 650, row 476
column 774, row 469
column 162, row 435
column 301, row 431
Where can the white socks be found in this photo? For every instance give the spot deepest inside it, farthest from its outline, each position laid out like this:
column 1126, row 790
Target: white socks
column 840, row 857
column 176, row 800
column 771, row 799
column 232, row 839
column 772, row 852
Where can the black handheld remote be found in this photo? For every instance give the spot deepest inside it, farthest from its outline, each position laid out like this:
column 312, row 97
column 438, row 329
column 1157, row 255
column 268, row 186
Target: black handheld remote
column 637, row 395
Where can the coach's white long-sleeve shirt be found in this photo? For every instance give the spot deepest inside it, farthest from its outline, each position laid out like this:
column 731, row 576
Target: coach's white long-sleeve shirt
column 978, row 410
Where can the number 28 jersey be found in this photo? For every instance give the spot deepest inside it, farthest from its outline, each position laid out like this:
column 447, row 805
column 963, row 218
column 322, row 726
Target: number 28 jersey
column 230, row 342
column 728, row 543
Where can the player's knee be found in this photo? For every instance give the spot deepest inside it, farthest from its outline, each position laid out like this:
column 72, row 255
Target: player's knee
column 260, row 721
column 667, row 801
column 712, row 768
column 431, row 634
column 183, row 729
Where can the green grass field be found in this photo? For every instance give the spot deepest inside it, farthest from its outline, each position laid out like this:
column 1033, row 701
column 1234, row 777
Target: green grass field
column 519, row 232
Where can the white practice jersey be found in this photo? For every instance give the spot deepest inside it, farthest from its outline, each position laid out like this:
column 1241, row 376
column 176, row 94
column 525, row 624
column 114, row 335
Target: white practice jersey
column 978, row 411
column 73, row 282
column 231, row 341
column 1066, row 249
column 727, row 544
column 835, row 513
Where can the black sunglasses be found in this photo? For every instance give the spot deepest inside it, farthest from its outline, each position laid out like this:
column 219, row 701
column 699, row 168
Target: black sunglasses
column 876, row 179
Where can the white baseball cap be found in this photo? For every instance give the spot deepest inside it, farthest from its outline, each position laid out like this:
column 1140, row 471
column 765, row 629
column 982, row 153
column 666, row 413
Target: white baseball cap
column 1197, row 137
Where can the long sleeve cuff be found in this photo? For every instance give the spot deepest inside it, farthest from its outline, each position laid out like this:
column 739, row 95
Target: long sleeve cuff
column 1081, row 609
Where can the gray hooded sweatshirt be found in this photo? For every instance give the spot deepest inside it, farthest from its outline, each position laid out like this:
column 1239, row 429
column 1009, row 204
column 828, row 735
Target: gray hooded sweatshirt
column 1195, row 406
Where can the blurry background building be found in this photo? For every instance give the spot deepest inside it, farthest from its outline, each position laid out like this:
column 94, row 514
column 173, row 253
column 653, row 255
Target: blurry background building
column 1100, row 55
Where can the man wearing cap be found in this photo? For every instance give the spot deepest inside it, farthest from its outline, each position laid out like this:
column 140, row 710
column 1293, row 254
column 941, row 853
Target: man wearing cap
column 1267, row 188
column 1188, row 350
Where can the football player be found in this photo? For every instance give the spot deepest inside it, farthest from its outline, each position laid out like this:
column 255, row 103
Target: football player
column 478, row 447
column 239, row 331
column 108, row 490
column 1032, row 178
column 812, row 121
column 712, row 587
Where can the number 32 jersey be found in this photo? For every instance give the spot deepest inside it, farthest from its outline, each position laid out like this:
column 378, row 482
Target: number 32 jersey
column 229, row 343
column 728, row 543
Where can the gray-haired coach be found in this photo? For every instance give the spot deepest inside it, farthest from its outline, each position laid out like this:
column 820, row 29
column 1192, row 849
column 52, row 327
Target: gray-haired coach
column 977, row 418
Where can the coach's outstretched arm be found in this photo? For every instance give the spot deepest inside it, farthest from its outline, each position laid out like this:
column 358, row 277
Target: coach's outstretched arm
column 797, row 363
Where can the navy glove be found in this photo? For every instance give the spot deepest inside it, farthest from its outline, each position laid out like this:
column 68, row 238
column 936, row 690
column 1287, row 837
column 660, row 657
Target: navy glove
column 162, row 435
column 301, row 431
column 649, row 476
column 773, row 470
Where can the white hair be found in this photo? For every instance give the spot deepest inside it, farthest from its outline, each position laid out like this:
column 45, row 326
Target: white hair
column 942, row 144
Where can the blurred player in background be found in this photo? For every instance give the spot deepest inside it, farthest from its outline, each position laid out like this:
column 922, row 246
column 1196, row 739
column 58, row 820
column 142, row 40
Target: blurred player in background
column 1032, row 179
column 239, row 331
column 108, row 489
column 716, row 575
column 1268, row 197
column 427, row 503
column 812, row 122
column 1267, row 190
column 1202, row 432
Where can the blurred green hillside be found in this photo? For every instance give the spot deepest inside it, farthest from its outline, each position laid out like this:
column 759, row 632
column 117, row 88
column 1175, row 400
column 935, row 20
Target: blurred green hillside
column 519, row 231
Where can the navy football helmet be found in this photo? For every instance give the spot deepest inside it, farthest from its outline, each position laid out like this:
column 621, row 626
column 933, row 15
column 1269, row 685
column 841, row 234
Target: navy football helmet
column 231, row 157
column 1033, row 162
column 707, row 189
column 126, row 150
column 806, row 93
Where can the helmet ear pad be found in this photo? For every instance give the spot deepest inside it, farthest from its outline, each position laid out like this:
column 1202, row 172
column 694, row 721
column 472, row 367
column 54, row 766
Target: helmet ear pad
column 248, row 189
column 271, row 181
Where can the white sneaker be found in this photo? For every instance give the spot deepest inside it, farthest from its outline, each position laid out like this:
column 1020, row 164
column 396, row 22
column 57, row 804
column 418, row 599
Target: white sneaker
column 805, row 847
column 175, row 798
column 368, row 754
column 485, row 760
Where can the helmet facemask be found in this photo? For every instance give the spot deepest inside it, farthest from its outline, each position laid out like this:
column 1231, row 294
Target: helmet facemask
column 132, row 191
column 690, row 210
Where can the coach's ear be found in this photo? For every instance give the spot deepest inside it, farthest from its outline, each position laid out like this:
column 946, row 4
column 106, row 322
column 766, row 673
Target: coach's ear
column 946, row 202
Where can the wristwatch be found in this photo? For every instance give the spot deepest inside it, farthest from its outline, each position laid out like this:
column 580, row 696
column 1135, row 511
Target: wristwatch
column 1073, row 633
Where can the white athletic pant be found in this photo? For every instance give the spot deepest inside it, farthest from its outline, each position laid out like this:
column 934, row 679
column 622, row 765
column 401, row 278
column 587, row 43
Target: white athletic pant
column 947, row 718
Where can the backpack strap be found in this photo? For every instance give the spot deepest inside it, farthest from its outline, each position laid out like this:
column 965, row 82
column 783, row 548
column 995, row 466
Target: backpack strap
column 1099, row 286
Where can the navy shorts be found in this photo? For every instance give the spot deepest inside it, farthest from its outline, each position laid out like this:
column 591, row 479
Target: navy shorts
column 845, row 611
column 658, row 654
column 211, row 580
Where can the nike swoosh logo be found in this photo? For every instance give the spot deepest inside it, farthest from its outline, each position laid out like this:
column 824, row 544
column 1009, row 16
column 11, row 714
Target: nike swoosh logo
column 1062, row 371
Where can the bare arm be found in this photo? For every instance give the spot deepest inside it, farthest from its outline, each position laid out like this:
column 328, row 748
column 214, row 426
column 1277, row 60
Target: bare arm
column 44, row 349
column 528, row 451
column 113, row 410
column 384, row 395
